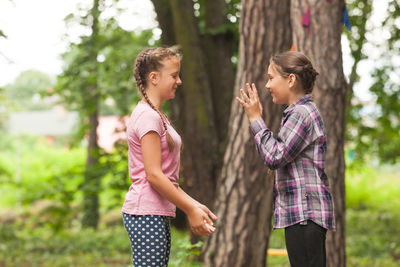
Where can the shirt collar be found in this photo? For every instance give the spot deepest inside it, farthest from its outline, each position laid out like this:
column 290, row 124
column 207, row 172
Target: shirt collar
column 300, row 101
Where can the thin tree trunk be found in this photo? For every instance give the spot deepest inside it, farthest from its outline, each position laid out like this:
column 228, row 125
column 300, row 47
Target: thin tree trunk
column 322, row 43
column 91, row 183
column 199, row 110
column 244, row 192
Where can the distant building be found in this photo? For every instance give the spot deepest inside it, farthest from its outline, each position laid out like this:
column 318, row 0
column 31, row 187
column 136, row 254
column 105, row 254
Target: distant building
column 111, row 129
column 59, row 122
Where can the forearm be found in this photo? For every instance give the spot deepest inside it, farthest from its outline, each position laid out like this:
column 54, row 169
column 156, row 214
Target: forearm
column 167, row 189
column 271, row 150
column 194, row 201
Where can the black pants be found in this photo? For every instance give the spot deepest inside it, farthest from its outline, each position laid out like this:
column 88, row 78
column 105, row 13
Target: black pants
column 150, row 237
column 306, row 245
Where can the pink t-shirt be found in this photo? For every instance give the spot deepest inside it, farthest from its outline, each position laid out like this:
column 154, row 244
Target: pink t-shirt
column 142, row 198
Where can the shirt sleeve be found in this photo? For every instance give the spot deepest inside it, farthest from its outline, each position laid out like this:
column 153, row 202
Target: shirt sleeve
column 291, row 141
column 147, row 122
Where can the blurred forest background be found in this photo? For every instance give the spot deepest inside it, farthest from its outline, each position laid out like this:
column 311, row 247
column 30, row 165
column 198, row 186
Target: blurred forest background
column 63, row 152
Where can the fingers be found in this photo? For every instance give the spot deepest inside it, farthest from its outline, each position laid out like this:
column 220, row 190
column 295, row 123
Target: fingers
column 209, row 213
column 210, row 228
column 244, row 95
column 203, row 230
column 202, row 225
column 241, row 102
column 212, row 215
column 207, row 219
column 252, row 94
column 249, row 91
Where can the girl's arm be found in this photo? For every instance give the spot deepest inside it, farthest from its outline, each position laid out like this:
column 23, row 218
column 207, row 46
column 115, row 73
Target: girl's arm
column 292, row 138
column 151, row 149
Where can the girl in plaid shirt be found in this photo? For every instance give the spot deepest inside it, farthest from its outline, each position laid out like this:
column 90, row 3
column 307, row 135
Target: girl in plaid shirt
column 303, row 204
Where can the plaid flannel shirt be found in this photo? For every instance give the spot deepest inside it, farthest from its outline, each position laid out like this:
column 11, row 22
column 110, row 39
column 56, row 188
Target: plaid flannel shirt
column 301, row 190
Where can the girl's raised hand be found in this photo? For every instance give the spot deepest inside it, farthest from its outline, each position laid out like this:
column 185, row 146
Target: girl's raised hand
column 251, row 102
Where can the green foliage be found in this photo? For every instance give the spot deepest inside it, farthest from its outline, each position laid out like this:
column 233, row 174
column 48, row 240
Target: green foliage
column 85, row 247
column 2, row 34
column 386, row 134
column 115, row 182
column 116, row 51
column 183, row 252
column 369, row 188
column 96, row 80
column 32, row 172
column 375, row 130
column 4, row 106
column 107, row 246
column 359, row 13
column 27, row 90
column 374, row 237
column 50, row 235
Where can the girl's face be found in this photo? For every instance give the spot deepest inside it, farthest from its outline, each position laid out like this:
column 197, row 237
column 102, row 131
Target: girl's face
column 169, row 79
column 280, row 87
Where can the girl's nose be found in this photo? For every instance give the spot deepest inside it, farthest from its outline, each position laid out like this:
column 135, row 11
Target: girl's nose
column 179, row 81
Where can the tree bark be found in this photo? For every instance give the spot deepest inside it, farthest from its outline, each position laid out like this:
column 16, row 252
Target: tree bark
column 244, row 192
column 91, row 183
column 200, row 110
column 219, row 47
column 322, row 43
column 164, row 15
column 199, row 128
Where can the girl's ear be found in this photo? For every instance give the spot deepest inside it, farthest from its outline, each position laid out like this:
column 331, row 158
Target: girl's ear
column 154, row 77
column 292, row 80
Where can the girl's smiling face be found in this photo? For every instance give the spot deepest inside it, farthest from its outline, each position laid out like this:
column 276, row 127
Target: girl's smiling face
column 278, row 85
column 169, row 79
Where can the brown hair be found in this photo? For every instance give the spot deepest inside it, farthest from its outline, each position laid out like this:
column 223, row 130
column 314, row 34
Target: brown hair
column 151, row 60
column 293, row 62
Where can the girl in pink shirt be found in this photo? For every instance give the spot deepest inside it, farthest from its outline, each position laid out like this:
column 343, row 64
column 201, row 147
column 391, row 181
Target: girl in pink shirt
column 154, row 158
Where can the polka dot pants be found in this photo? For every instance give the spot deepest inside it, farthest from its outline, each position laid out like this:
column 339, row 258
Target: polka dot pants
column 150, row 237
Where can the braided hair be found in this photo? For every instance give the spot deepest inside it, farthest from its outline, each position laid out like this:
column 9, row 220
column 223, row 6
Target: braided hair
column 293, row 62
column 151, row 60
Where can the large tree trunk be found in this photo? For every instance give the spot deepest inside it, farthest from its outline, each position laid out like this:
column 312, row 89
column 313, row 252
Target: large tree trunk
column 91, row 183
column 200, row 110
column 244, row 193
column 199, row 129
column 218, row 47
column 322, row 43
column 164, row 16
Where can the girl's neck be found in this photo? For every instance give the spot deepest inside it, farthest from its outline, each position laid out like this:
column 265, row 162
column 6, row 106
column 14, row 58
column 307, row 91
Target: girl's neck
column 294, row 97
column 156, row 101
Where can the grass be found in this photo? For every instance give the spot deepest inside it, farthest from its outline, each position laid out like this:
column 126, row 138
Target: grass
column 44, row 239
column 108, row 246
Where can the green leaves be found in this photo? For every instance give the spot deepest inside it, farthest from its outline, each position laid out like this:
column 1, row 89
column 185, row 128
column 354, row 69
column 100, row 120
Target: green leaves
column 374, row 130
column 116, row 50
column 2, row 34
